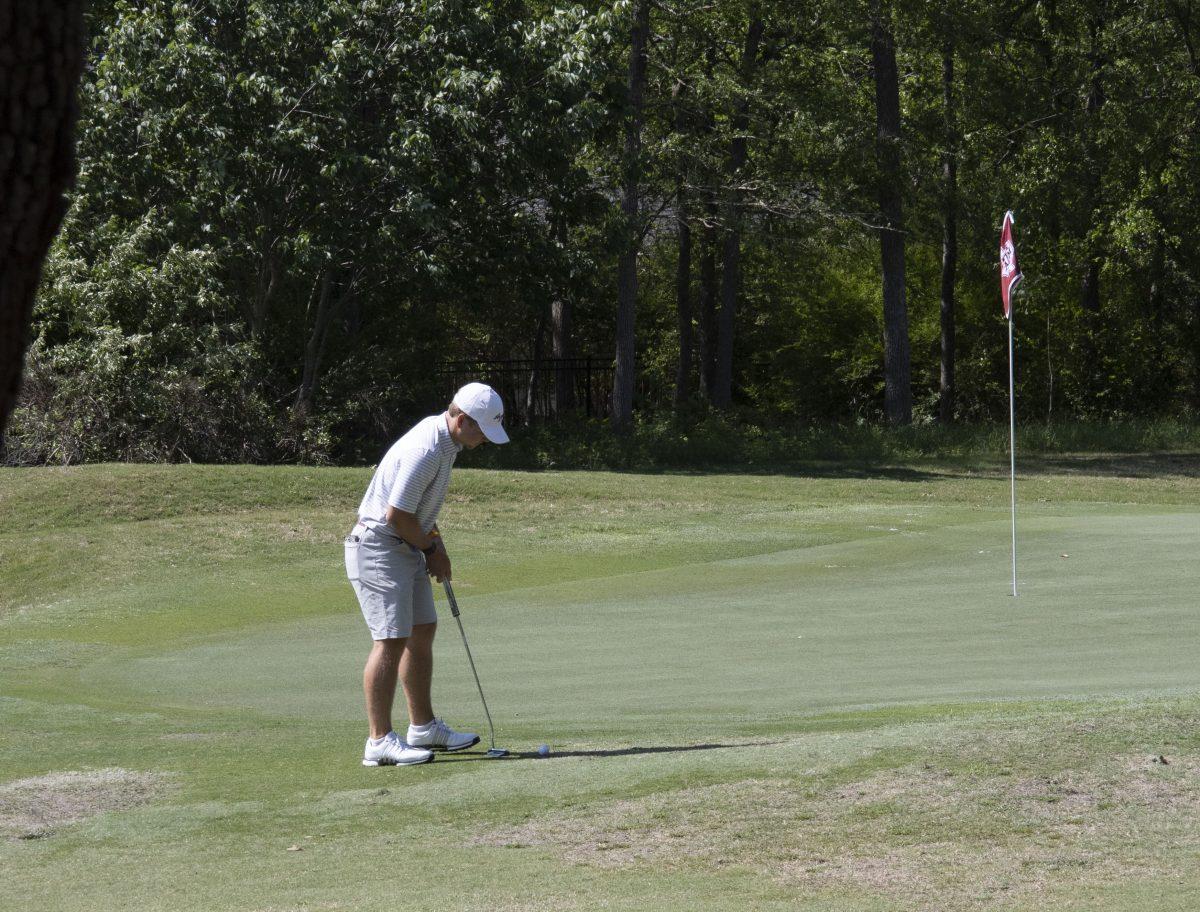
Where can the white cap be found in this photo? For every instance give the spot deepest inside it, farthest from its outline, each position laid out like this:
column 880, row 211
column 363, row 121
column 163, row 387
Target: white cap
column 483, row 404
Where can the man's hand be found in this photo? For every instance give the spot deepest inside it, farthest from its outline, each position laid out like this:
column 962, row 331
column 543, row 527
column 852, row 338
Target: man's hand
column 437, row 564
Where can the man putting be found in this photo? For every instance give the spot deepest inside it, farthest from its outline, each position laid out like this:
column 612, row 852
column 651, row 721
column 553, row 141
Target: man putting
column 391, row 552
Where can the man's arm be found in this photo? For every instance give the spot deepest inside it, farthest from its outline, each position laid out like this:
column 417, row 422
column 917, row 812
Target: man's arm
column 409, row 529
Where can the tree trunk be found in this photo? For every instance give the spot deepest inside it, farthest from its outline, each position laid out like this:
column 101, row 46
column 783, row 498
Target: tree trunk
column 683, row 264
column 535, row 375
column 560, row 342
column 1050, row 64
column 269, row 275
column 627, row 279
column 1196, row 353
column 731, row 252
column 1161, row 391
column 1181, row 15
column 1089, row 286
column 708, row 298
column 1158, row 297
column 41, row 58
column 949, row 238
column 683, row 299
column 328, row 305
column 896, row 367
column 1090, row 289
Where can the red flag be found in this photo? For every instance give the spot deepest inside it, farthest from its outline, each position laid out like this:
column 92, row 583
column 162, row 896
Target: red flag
column 1010, row 275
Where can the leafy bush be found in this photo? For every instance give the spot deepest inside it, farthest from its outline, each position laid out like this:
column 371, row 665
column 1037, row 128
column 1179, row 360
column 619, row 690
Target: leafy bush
column 113, row 396
column 117, row 373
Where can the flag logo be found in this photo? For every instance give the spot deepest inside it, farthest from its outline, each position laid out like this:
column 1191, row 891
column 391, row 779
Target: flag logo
column 1010, row 274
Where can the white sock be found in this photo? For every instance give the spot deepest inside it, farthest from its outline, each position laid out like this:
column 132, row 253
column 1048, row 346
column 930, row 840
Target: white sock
column 422, row 728
column 375, row 742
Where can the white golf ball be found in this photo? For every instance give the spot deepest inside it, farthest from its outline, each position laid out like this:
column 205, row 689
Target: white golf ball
column 544, row 750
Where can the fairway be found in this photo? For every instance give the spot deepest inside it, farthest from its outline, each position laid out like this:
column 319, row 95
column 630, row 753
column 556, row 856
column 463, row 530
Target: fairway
column 760, row 692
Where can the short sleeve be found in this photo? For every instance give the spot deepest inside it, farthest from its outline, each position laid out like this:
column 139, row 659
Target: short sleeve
column 414, row 473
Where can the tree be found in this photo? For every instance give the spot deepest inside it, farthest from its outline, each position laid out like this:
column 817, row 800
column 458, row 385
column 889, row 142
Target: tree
column 949, row 235
column 722, row 394
column 633, row 229
column 683, row 227
column 290, row 215
column 41, row 58
column 897, row 383
column 362, row 189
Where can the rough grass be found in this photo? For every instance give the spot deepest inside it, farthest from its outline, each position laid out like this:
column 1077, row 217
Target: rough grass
column 997, row 815
column 37, row 807
column 791, row 692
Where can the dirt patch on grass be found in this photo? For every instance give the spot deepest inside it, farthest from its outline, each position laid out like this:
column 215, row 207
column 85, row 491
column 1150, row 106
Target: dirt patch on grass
column 922, row 835
column 36, row 808
column 692, row 823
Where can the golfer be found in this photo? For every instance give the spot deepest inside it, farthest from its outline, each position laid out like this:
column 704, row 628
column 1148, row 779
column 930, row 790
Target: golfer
column 391, row 552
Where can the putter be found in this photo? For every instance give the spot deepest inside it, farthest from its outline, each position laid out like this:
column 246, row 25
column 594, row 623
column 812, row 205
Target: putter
column 493, row 751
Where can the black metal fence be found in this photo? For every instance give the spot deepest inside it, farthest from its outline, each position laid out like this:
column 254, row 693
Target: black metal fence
column 539, row 390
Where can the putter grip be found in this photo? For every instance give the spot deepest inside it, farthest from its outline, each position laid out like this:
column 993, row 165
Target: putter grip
column 450, row 597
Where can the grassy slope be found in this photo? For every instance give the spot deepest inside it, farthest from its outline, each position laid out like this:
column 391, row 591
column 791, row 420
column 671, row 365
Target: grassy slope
column 769, row 691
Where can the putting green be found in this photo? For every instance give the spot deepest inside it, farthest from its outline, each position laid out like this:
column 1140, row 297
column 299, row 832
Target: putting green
column 911, row 613
column 701, row 653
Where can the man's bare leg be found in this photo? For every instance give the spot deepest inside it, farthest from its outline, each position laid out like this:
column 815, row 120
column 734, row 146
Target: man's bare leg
column 416, row 673
column 379, row 683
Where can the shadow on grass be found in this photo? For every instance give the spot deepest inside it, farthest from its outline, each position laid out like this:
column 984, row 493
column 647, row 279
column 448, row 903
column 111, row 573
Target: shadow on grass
column 861, row 470
column 1140, row 465
column 919, row 469
column 931, row 469
column 634, row 751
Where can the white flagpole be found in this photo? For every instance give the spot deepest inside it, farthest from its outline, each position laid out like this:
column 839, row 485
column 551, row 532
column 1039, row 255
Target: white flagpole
column 1012, row 449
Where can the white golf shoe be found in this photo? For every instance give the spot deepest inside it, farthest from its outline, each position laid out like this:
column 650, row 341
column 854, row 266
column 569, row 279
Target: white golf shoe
column 391, row 751
column 437, row 735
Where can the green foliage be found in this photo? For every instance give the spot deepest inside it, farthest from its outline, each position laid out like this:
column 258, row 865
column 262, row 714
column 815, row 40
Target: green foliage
column 133, row 361
column 322, row 202
column 106, row 396
column 353, row 190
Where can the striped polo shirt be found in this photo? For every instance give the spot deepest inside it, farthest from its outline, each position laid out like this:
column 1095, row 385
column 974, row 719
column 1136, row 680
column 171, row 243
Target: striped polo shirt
column 413, row 476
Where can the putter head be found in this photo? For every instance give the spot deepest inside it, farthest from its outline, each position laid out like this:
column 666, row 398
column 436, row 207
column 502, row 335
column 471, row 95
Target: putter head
column 497, row 752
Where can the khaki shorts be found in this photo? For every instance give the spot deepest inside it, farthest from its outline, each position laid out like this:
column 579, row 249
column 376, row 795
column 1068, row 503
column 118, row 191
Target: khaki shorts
column 391, row 583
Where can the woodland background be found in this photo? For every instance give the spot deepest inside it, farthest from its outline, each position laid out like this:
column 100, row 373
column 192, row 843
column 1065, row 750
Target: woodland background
column 297, row 224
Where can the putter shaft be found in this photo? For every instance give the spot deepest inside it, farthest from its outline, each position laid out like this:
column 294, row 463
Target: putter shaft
column 454, row 611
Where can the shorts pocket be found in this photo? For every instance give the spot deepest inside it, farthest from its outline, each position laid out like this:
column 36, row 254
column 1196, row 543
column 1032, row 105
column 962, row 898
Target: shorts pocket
column 351, row 547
